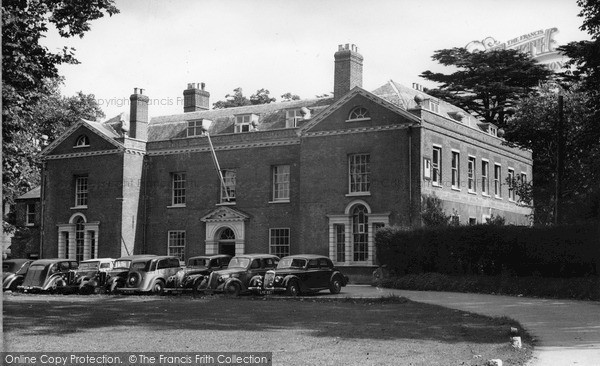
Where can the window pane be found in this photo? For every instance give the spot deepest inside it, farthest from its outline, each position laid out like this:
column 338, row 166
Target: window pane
column 340, row 242
column 360, row 233
column 81, row 191
column 279, row 242
column 360, row 170
column 176, row 244
column 178, row 187
column 281, row 182
column 228, row 192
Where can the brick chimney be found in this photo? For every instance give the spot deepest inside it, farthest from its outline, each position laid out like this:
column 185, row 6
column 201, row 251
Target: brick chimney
column 138, row 115
column 195, row 98
column 348, row 70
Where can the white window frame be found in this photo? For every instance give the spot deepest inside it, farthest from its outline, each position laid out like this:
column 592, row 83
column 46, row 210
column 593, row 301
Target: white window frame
column 175, row 238
column 281, row 183
column 471, row 174
column 455, row 165
column 195, row 128
column 82, row 141
column 511, row 189
column 359, row 182
column 339, row 242
column 485, row 177
column 359, row 113
column 279, row 241
column 178, row 189
column 230, row 180
column 497, row 180
column 30, row 214
column 81, row 191
column 436, row 166
column 292, row 117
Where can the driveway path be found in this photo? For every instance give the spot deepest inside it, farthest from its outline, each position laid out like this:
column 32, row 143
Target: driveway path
column 567, row 331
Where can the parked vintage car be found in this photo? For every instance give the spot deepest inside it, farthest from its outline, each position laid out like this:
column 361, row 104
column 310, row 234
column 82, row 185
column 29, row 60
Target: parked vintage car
column 92, row 275
column 117, row 276
column 191, row 278
column 13, row 273
column 301, row 273
column 51, row 275
column 235, row 279
column 150, row 274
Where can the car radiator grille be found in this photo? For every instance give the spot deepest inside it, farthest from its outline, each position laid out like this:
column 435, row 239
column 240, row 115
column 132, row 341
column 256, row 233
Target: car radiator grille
column 34, row 277
column 269, row 279
column 213, row 280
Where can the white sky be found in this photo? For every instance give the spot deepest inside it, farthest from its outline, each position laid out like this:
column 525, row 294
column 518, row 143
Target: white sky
column 284, row 45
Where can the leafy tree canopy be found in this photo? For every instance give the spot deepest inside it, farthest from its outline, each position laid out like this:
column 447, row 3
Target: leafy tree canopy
column 289, row 96
column 30, row 81
column 486, row 83
column 238, row 99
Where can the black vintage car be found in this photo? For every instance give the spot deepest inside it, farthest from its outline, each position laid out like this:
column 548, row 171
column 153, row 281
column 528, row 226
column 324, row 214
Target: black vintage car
column 50, row 275
column 191, row 278
column 92, row 275
column 235, row 279
column 13, row 273
column 117, row 276
column 301, row 273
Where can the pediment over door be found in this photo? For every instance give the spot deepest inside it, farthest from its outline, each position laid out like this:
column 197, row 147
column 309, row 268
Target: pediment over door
column 224, row 214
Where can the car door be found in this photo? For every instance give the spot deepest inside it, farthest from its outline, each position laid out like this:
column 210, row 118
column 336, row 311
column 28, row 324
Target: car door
column 311, row 278
column 256, row 268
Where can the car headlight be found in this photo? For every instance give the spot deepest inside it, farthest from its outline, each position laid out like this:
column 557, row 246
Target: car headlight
column 278, row 278
column 223, row 278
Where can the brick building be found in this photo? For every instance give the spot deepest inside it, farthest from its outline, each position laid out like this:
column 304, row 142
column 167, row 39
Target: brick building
column 305, row 176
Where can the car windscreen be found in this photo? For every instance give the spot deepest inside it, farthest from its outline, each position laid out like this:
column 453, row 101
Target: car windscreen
column 122, row 263
column 291, row 263
column 239, row 263
column 198, row 262
column 88, row 266
column 140, row 266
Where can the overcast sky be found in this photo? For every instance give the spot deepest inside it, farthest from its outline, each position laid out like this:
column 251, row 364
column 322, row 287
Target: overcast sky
column 284, row 46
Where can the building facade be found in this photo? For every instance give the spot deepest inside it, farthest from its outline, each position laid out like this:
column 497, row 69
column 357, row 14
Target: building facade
column 306, row 176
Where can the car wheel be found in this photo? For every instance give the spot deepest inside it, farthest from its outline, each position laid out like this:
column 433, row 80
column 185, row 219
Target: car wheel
column 335, row 286
column 233, row 289
column 158, row 288
column 58, row 287
column 86, row 290
column 292, row 289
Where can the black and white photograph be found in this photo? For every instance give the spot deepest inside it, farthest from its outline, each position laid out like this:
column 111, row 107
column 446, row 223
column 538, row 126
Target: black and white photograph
column 333, row 182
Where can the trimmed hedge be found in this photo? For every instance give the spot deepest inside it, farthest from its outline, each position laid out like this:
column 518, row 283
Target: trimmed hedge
column 489, row 250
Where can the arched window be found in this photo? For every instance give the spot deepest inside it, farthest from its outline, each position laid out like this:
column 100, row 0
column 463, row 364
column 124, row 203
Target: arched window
column 227, row 234
column 227, row 241
column 359, row 113
column 79, row 238
column 82, row 141
column 360, row 233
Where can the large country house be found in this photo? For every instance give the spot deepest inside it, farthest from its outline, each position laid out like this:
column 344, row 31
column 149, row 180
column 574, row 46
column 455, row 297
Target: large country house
column 306, row 176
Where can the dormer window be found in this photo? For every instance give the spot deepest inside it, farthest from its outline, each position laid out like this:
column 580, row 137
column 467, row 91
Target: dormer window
column 194, row 128
column 359, row 114
column 246, row 122
column 493, row 131
column 82, row 141
column 432, row 105
column 292, row 117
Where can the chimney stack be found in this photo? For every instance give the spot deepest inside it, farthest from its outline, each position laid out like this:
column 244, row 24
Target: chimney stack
column 195, row 98
column 138, row 115
column 348, row 70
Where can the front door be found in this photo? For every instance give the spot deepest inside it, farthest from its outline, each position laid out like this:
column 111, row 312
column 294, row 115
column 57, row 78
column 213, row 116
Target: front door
column 227, row 242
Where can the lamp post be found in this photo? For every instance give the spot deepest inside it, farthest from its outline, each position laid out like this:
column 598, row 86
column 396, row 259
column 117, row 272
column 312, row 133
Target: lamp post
column 205, row 126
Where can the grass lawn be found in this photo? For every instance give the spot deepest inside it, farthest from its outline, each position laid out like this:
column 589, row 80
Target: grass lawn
column 303, row 331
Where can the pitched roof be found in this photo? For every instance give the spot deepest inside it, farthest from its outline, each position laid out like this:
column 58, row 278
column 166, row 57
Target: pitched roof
column 271, row 116
column 33, row 194
column 404, row 97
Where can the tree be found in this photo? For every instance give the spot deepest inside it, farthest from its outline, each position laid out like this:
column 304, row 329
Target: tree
column 261, row 97
column 51, row 115
column 486, row 83
column 289, row 97
column 535, row 126
column 29, row 79
column 237, row 99
column 432, row 213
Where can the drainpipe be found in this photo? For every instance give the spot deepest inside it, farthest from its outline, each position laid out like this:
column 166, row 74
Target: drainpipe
column 42, row 208
column 410, row 198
